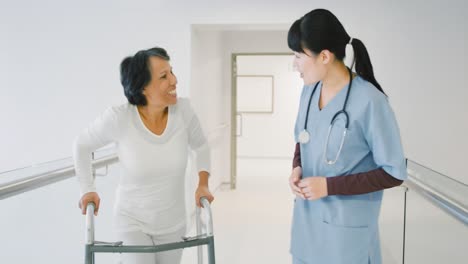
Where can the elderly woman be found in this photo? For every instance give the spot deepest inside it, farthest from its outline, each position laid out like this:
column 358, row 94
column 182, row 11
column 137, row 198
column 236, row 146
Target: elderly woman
column 153, row 133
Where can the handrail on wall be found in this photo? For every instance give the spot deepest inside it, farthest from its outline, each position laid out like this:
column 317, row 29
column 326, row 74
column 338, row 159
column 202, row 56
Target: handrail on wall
column 35, row 181
column 448, row 194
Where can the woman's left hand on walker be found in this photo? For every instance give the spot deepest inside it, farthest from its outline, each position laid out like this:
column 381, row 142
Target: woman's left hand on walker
column 314, row 188
column 203, row 191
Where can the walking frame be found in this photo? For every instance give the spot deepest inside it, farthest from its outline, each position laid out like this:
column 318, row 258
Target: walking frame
column 92, row 246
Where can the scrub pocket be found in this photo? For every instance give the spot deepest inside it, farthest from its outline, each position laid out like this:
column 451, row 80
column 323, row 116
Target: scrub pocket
column 346, row 245
column 347, row 210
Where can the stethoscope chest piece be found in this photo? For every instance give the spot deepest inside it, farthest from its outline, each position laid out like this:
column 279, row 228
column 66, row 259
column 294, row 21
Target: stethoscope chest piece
column 304, row 137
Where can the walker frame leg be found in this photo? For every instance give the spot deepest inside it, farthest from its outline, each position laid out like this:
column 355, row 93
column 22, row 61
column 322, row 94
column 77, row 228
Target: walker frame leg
column 89, row 255
column 211, row 251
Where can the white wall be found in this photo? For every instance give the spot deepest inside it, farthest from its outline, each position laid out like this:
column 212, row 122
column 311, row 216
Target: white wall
column 426, row 78
column 208, row 95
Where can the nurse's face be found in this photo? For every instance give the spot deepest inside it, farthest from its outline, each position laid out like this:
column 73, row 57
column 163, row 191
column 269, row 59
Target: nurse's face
column 161, row 90
column 310, row 66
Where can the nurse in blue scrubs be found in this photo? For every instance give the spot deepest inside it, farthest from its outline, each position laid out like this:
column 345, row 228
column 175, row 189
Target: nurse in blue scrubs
column 348, row 147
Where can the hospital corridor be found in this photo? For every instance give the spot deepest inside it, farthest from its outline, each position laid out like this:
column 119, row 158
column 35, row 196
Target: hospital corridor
column 118, row 117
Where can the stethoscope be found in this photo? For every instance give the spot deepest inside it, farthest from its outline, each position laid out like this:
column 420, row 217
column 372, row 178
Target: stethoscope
column 304, row 136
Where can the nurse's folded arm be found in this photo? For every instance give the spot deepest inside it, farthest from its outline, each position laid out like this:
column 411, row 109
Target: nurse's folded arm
column 359, row 183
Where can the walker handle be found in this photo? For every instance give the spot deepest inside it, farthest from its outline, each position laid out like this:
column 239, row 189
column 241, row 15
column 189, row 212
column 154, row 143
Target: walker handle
column 207, row 208
column 209, row 225
column 90, row 223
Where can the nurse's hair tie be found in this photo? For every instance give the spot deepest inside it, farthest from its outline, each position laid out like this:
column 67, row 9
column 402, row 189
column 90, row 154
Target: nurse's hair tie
column 350, row 41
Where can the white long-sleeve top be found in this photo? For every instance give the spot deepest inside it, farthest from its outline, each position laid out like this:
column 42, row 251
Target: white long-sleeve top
column 150, row 194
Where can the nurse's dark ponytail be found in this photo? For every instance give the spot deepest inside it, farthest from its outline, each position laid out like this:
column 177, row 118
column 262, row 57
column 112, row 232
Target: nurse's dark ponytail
column 363, row 63
column 321, row 30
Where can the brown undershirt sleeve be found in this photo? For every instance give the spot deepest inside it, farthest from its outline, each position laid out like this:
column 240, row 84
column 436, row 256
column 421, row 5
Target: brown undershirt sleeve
column 359, row 183
column 297, row 156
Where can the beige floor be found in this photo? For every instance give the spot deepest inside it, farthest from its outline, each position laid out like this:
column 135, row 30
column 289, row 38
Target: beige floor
column 251, row 223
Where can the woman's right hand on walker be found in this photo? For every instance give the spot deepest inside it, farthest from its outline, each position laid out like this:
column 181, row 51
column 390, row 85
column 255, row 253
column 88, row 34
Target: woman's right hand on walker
column 87, row 198
column 294, row 179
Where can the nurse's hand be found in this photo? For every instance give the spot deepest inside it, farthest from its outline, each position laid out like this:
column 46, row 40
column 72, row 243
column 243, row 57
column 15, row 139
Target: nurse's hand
column 203, row 191
column 294, row 180
column 314, row 188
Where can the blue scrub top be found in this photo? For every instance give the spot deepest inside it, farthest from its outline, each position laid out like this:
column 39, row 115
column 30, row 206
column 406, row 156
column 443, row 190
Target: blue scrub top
column 343, row 229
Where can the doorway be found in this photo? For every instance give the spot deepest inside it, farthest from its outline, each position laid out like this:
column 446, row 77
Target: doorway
column 265, row 97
